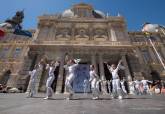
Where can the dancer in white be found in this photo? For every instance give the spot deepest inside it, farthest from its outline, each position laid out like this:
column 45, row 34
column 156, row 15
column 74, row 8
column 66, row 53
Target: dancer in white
column 33, row 79
column 115, row 80
column 137, row 87
column 123, row 86
column 52, row 67
column 109, row 86
column 93, row 80
column 71, row 67
column 145, row 85
column 85, row 85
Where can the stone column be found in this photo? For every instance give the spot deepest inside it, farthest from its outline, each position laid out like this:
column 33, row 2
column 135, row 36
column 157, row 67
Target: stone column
column 102, row 74
column 139, row 56
column 36, row 35
column 127, row 71
column 91, row 32
column 50, row 33
column 109, row 31
column 143, row 67
column 113, row 35
column 73, row 32
column 61, row 73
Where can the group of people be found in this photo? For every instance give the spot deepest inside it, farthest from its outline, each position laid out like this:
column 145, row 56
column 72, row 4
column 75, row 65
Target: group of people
column 70, row 67
column 116, row 87
column 143, row 87
column 51, row 76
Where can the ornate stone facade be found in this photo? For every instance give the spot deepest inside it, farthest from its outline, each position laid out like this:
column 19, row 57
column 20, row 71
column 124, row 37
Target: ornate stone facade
column 80, row 32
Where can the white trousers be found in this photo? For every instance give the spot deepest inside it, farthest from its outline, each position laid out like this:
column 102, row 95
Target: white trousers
column 32, row 88
column 49, row 90
column 116, row 87
column 94, row 88
column 68, row 83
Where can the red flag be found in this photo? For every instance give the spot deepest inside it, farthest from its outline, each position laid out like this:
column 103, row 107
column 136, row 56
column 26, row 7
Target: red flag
column 2, row 33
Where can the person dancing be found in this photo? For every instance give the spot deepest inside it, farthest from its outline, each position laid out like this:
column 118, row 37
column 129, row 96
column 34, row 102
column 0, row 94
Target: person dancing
column 116, row 89
column 93, row 80
column 33, row 78
column 71, row 67
column 52, row 67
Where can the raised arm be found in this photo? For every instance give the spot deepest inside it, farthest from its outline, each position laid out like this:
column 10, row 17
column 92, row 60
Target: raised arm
column 118, row 66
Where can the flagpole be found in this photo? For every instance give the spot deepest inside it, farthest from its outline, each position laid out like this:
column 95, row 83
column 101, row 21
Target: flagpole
column 159, row 57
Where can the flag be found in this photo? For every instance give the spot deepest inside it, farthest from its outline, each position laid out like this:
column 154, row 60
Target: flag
column 2, row 33
column 4, row 28
column 22, row 32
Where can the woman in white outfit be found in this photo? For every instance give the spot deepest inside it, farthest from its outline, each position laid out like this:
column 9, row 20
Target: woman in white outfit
column 33, row 78
column 52, row 67
column 71, row 67
column 93, row 80
column 115, row 80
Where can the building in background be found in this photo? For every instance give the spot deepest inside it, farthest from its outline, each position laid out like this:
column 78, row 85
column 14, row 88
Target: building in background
column 86, row 33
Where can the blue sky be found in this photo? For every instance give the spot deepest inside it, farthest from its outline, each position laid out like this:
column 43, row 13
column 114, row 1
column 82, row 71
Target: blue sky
column 136, row 12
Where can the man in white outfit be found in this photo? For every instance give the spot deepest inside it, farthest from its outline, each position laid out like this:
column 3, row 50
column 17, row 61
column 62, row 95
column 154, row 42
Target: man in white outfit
column 71, row 67
column 93, row 80
column 52, row 67
column 115, row 80
column 145, row 85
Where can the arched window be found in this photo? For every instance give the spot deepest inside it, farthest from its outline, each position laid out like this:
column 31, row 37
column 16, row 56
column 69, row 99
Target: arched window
column 16, row 52
column 4, row 52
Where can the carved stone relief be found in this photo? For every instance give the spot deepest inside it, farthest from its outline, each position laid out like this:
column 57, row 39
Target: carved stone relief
column 100, row 33
column 82, row 33
column 63, row 33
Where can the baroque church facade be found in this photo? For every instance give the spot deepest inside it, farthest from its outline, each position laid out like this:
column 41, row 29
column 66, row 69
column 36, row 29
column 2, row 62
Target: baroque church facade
column 85, row 33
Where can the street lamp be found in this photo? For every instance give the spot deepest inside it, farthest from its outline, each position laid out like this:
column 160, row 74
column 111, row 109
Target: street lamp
column 148, row 29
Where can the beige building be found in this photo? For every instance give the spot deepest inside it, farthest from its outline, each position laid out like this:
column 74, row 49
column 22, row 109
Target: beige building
column 85, row 33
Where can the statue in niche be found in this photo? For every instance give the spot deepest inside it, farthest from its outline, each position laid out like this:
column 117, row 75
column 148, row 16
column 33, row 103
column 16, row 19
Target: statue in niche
column 63, row 34
column 100, row 34
column 82, row 34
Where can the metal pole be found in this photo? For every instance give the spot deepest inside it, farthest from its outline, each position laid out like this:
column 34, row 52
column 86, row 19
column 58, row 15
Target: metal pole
column 159, row 57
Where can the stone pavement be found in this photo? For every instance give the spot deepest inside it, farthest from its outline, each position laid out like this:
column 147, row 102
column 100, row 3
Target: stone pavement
column 82, row 104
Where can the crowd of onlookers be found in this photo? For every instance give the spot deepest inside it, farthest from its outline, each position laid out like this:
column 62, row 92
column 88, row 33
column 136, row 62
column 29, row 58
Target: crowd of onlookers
column 3, row 88
column 6, row 89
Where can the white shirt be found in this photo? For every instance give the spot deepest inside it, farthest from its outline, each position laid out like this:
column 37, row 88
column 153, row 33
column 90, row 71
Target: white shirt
column 93, row 75
column 33, row 74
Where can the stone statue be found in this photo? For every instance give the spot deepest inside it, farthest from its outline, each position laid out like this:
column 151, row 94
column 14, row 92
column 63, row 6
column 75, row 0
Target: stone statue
column 17, row 19
column 14, row 25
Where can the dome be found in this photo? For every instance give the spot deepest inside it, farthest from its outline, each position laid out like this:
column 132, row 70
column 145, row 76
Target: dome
column 68, row 13
column 98, row 14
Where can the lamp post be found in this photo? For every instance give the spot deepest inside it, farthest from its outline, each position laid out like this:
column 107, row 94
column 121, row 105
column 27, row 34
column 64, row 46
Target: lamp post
column 149, row 28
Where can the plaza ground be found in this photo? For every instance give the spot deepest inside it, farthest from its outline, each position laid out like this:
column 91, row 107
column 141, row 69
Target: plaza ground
column 81, row 104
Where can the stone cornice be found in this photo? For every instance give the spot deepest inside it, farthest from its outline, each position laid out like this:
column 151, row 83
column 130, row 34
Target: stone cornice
column 61, row 19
